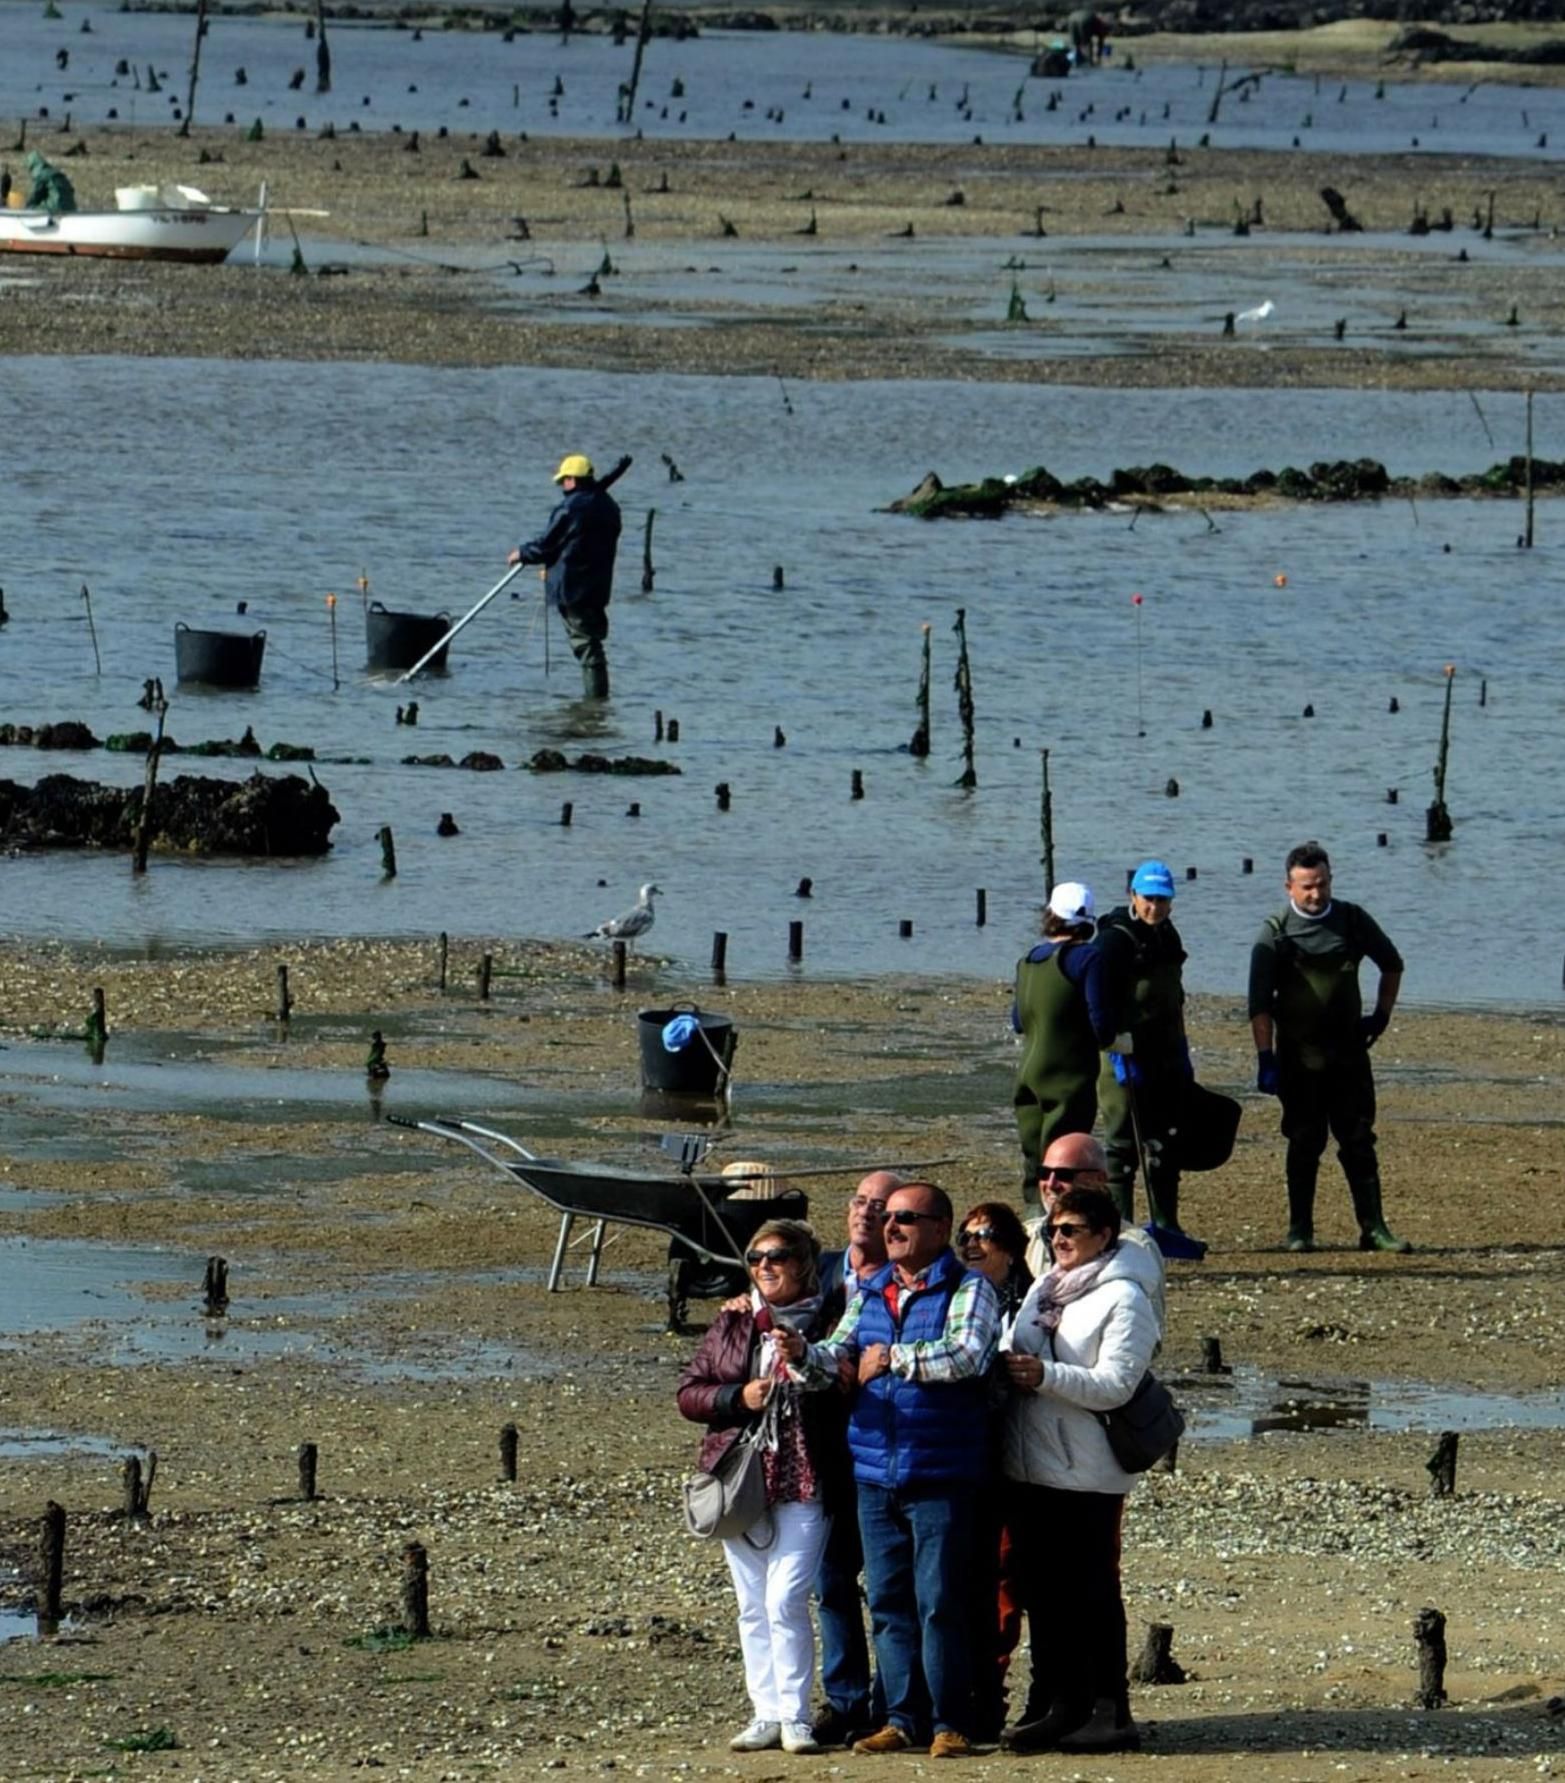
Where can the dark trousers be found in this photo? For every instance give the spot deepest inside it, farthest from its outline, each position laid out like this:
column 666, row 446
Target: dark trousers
column 1039, row 1123
column 587, row 628
column 1065, row 1559
column 1340, row 1099
column 997, row 1612
column 845, row 1679
column 1156, row 1110
column 918, row 1550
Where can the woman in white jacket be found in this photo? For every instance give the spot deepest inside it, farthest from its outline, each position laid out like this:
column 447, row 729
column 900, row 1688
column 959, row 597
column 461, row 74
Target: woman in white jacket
column 1081, row 1343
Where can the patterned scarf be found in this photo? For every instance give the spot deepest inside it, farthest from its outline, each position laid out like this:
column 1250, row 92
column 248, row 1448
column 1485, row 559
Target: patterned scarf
column 1059, row 1287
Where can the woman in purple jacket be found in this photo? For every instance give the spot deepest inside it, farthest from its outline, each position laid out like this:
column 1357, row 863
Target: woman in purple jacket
column 739, row 1374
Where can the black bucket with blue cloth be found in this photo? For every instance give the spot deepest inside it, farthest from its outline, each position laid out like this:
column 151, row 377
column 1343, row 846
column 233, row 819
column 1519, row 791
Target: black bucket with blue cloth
column 684, row 1052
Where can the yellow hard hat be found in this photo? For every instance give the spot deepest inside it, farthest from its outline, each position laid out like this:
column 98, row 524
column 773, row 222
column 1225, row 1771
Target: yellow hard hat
column 576, row 465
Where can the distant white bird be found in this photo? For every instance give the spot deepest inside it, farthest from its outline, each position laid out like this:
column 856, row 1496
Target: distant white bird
column 1258, row 314
column 629, row 923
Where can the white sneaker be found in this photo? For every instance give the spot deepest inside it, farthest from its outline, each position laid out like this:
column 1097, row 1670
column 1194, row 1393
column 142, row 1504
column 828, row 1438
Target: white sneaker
column 798, row 1736
column 759, row 1736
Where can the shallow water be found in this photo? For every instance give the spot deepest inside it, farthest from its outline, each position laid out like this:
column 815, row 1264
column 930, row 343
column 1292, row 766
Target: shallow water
column 282, row 483
column 1249, row 1403
column 823, row 86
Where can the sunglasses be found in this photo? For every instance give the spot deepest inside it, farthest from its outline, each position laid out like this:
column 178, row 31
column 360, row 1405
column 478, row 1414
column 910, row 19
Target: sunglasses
column 907, row 1216
column 753, row 1258
column 1067, row 1229
column 1065, row 1172
column 875, row 1209
column 979, row 1235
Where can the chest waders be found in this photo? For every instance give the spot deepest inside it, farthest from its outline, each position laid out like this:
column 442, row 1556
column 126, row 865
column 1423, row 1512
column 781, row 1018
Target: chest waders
column 1326, row 1087
column 1137, row 1117
column 1056, row 1082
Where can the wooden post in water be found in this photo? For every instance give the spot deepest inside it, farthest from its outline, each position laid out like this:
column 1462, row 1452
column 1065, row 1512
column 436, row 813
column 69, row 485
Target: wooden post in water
column 195, row 70
column 415, row 1591
column 485, row 971
column 627, row 103
column 445, row 958
column 97, row 1027
column 322, row 52
column 1046, row 825
column 648, row 573
column 1527, row 536
column 92, row 630
column 963, row 683
column 308, row 1456
column 919, row 742
column 214, row 1288
column 795, row 941
column 719, row 955
column 1429, row 1637
column 388, row 851
column 284, row 996
column 982, row 899
column 508, row 1445
column 51, row 1567
column 1437, row 819
column 159, row 710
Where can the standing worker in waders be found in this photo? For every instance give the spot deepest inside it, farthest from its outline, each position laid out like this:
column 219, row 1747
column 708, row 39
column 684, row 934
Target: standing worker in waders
column 1140, row 1087
column 1065, row 1016
column 1313, row 1039
column 577, row 550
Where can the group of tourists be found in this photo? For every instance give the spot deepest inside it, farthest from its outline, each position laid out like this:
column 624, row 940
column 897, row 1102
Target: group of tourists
column 933, row 1429
column 931, row 1404
column 1100, row 1008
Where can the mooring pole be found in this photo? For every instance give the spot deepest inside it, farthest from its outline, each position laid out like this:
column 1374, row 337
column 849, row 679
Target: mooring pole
column 1437, row 819
column 964, row 701
column 919, row 743
column 1046, row 824
column 1528, row 535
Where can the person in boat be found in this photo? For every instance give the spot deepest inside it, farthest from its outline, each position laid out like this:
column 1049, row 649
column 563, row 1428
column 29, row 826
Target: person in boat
column 740, row 1375
column 1064, row 1012
column 50, row 190
column 577, row 550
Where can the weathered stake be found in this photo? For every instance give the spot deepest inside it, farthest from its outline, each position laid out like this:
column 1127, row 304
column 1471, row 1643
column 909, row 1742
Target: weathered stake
column 138, row 1484
column 415, row 1591
column 857, row 785
column 1429, row 1635
column 918, row 744
column 1046, row 827
column 388, row 851
column 485, row 973
column 1441, row 1466
column 51, row 1567
column 1156, row 1663
column 92, row 630
column 719, row 954
column 981, row 898
column 620, row 951
column 214, row 1288
column 96, row 1031
column 159, row 709
column 796, row 940
column 508, row 1441
column 1212, row 1356
column 1527, row 536
column 284, row 995
column 963, row 683
column 1437, row 819
column 444, row 959
column 308, row 1456
column 648, row 572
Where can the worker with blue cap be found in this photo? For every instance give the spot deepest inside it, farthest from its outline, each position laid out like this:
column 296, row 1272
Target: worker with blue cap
column 1148, row 1068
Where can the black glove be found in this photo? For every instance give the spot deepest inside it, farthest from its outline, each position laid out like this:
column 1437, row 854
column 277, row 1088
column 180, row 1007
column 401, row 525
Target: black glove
column 1268, row 1079
column 1372, row 1026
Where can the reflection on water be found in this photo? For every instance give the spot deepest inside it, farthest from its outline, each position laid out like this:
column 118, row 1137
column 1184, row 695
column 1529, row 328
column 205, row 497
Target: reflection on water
column 1249, row 1403
column 424, row 479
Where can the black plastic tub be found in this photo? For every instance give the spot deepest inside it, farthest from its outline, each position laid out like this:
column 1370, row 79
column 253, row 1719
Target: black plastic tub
column 697, row 1067
column 398, row 640
column 218, row 658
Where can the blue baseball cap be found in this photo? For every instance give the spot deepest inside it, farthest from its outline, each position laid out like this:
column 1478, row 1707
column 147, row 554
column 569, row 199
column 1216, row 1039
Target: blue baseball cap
column 1153, row 879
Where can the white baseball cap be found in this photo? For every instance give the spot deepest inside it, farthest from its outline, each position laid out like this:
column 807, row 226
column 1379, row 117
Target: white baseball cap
column 1072, row 902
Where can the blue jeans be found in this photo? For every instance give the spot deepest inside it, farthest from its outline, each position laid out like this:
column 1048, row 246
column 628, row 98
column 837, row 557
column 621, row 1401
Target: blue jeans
column 918, row 1556
column 845, row 1680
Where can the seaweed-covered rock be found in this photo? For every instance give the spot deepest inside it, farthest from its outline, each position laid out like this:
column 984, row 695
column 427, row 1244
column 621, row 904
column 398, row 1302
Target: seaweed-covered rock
column 481, row 762
column 428, row 761
column 1037, row 485
column 290, row 752
column 191, row 814
column 69, row 734
column 1150, row 479
column 553, row 761
column 138, row 743
column 1355, row 479
column 1295, row 484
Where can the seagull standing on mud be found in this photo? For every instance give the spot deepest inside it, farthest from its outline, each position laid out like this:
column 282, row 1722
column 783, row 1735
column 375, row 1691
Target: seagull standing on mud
column 629, row 923
column 1258, row 314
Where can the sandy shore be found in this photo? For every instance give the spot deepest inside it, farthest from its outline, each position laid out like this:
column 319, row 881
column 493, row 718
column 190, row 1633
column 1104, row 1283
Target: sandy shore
column 576, row 1629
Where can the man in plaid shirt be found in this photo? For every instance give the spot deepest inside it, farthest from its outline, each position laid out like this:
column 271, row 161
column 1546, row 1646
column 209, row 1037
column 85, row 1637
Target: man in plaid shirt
column 918, row 1337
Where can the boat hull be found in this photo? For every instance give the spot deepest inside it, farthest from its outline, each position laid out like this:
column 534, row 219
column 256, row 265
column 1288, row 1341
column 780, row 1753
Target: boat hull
column 195, row 237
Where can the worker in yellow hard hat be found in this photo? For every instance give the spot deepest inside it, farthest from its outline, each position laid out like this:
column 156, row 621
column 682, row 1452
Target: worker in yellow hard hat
column 577, row 550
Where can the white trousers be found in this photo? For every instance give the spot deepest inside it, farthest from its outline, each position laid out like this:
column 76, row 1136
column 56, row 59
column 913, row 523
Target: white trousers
column 773, row 1588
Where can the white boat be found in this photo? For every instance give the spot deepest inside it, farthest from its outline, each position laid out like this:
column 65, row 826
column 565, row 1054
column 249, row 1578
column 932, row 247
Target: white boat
column 151, row 223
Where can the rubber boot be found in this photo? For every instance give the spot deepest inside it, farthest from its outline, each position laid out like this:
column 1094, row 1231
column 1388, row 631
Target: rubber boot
column 1374, row 1233
column 595, row 680
column 1301, row 1216
column 1111, row 1728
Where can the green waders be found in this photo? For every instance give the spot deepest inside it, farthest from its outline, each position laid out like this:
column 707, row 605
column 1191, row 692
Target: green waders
column 1337, row 1097
column 1153, row 1014
column 587, row 628
column 1056, row 1082
column 1153, row 1110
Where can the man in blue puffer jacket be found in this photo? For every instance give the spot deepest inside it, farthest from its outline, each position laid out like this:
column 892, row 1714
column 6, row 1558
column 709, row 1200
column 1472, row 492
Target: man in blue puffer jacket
column 920, row 1334
column 577, row 549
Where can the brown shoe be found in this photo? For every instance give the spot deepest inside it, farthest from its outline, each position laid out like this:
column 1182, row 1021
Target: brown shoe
column 890, row 1739
column 950, row 1744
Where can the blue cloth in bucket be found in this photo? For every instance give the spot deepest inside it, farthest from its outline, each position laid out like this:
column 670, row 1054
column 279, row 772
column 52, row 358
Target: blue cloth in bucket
column 678, row 1033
